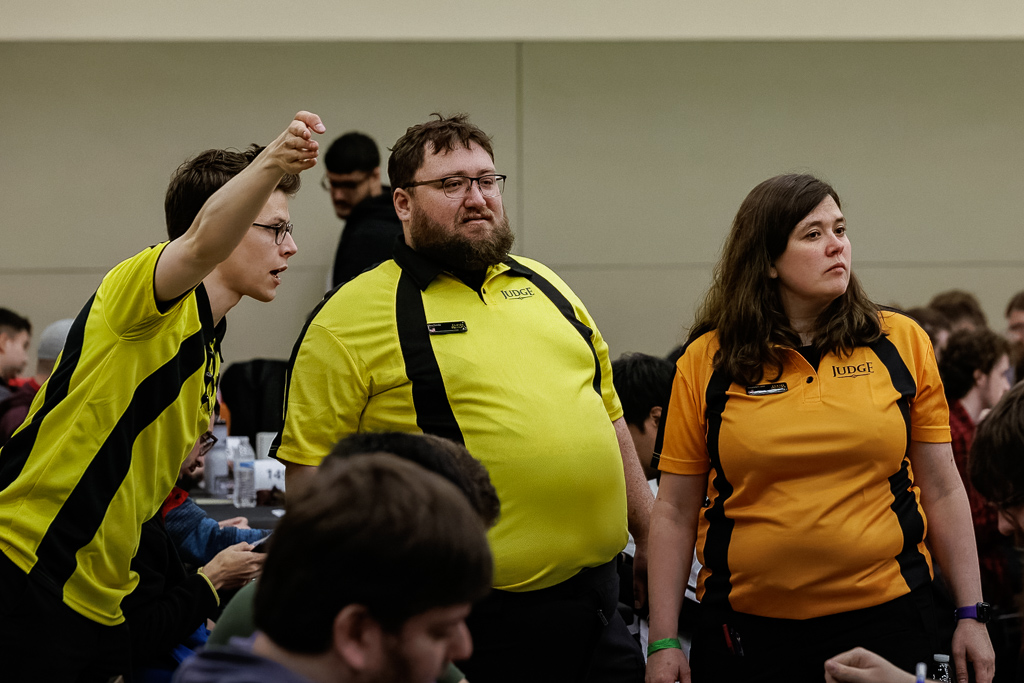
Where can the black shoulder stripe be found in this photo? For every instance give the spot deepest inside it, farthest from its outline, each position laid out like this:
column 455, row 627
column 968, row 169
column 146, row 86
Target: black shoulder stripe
column 569, row 313
column 82, row 513
column 913, row 565
column 434, row 413
column 14, row 455
column 902, row 380
column 716, row 545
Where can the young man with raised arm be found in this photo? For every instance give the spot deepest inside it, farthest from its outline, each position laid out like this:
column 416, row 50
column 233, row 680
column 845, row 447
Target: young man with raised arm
column 132, row 391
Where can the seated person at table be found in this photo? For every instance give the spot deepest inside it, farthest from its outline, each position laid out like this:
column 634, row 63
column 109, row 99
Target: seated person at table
column 196, row 535
column 167, row 611
column 369, row 577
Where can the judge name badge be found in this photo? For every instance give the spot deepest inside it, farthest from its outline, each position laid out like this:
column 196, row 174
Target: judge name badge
column 765, row 389
column 447, row 328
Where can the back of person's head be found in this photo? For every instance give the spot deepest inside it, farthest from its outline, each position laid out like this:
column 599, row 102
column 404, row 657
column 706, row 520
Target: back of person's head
column 642, row 382
column 11, row 323
column 932, row 320
column 441, row 456
column 352, row 152
column 375, row 531
column 966, row 352
column 997, row 454
column 198, row 178
column 442, row 135
column 961, row 308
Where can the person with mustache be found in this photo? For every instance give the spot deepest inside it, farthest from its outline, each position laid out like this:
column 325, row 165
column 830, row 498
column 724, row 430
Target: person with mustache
column 455, row 337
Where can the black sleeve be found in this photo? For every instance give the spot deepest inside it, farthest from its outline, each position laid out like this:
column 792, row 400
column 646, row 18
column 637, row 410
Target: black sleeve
column 167, row 605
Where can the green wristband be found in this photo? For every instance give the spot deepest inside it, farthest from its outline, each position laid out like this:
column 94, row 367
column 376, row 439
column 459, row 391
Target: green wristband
column 664, row 644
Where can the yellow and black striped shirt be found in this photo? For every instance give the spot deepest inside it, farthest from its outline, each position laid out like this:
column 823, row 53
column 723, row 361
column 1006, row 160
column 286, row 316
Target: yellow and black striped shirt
column 104, row 439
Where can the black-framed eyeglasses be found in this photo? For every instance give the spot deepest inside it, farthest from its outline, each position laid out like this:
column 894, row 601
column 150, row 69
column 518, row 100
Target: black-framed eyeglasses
column 348, row 185
column 458, row 186
column 280, row 230
column 206, row 443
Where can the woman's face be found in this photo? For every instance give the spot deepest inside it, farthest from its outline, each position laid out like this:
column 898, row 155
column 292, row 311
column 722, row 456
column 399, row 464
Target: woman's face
column 814, row 269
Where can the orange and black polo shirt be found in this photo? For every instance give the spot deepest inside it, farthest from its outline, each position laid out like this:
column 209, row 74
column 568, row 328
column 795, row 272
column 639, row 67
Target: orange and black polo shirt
column 812, row 507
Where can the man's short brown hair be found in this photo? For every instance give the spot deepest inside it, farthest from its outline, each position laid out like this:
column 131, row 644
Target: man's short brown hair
column 1016, row 304
column 442, row 135
column 372, row 530
column 965, row 352
column 198, row 178
column 959, row 306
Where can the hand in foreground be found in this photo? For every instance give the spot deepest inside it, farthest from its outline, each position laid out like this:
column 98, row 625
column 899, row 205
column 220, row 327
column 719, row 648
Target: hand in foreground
column 237, row 522
column 234, row 566
column 668, row 666
column 861, row 666
column 294, row 150
column 970, row 642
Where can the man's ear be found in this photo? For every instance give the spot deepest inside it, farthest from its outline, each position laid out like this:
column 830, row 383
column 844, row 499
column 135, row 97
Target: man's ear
column 656, row 415
column 358, row 638
column 403, row 205
column 979, row 377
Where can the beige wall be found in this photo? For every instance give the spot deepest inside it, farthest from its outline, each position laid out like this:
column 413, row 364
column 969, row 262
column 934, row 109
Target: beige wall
column 461, row 20
column 626, row 160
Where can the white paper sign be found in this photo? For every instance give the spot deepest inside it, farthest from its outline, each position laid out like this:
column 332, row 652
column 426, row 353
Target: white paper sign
column 269, row 474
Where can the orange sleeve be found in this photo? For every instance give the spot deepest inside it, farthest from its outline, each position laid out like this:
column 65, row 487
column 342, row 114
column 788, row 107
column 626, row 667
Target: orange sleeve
column 684, row 447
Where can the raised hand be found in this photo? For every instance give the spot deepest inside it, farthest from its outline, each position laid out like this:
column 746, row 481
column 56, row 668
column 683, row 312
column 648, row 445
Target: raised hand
column 295, row 150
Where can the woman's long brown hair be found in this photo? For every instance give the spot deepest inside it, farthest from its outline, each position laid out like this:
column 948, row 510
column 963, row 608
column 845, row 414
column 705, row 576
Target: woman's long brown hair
column 743, row 303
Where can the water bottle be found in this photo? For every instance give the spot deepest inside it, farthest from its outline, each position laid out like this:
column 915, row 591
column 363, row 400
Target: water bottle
column 942, row 668
column 245, row 475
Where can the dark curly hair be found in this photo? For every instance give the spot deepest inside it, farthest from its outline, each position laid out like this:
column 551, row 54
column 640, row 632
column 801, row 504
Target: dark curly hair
column 996, row 468
column 965, row 352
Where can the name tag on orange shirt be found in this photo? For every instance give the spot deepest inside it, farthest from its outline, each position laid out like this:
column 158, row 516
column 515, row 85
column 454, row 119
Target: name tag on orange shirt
column 765, row 389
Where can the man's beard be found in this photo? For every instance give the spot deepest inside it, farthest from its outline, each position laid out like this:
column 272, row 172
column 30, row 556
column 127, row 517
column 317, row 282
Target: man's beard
column 449, row 247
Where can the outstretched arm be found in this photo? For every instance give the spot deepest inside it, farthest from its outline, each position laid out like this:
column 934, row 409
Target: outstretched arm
column 230, row 211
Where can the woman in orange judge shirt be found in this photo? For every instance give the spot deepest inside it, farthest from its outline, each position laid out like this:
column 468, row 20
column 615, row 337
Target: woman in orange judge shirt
column 815, row 425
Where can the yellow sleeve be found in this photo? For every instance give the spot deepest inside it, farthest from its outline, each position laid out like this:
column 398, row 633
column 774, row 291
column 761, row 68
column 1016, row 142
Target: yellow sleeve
column 327, row 390
column 127, row 295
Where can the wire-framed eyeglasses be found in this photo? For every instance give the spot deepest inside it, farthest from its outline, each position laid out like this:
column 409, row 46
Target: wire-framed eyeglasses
column 458, row 186
column 280, row 230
